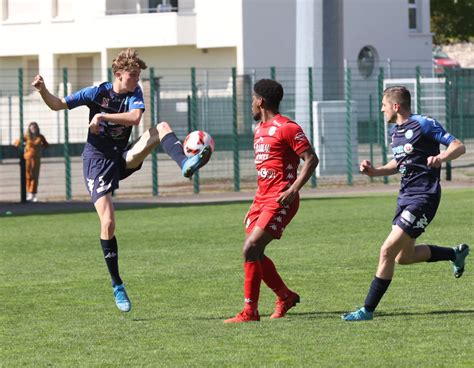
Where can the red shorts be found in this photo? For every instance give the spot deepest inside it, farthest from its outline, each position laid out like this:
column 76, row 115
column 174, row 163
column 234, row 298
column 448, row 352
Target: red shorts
column 270, row 217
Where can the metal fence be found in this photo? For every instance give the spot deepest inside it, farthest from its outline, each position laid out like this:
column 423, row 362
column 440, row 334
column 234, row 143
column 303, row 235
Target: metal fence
column 339, row 111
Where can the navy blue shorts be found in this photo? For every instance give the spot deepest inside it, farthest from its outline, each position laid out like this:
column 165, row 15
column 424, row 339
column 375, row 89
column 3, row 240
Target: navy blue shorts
column 102, row 175
column 413, row 217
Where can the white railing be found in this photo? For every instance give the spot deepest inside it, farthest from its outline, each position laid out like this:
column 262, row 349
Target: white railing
column 183, row 7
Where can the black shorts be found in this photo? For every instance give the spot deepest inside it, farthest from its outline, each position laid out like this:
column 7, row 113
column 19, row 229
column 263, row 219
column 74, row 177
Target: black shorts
column 102, row 175
column 414, row 216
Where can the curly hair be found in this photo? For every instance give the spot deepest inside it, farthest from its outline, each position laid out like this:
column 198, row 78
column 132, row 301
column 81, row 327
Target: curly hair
column 127, row 60
column 271, row 92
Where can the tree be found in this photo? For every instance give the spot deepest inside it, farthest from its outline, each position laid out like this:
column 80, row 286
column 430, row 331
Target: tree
column 452, row 20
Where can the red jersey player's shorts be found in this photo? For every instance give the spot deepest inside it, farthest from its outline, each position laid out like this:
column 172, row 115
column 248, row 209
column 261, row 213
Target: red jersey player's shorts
column 270, row 217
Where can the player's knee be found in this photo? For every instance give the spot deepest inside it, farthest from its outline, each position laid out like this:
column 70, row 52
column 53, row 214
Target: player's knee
column 251, row 251
column 163, row 127
column 108, row 226
column 387, row 251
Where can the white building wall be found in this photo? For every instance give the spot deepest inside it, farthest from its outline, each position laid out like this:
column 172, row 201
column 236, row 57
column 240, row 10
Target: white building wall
column 308, row 43
column 383, row 24
column 186, row 57
column 263, row 33
column 218, row 34
column 269, row 33
column 82, row 35
column 218, row 23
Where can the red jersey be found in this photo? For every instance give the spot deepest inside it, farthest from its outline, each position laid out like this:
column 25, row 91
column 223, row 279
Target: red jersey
column 277, row 145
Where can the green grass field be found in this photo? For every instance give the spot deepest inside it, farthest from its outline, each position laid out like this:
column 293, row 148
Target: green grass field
column 183, row 271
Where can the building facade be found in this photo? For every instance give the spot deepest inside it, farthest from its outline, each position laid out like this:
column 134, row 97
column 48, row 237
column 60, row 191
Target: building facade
column 43, row 35
column 49, row 36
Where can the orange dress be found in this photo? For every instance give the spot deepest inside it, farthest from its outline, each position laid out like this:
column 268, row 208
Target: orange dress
column 33, row 148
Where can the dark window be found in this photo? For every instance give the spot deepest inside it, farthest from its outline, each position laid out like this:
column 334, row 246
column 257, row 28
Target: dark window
column 162, row 5
column 366, row 61
column 412, row 15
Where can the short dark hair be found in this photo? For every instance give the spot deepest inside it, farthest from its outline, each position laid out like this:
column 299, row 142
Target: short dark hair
column 271, row 91
column 400, row 95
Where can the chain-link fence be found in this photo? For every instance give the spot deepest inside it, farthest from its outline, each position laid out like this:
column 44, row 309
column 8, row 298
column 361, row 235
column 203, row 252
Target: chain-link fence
column 338, row 109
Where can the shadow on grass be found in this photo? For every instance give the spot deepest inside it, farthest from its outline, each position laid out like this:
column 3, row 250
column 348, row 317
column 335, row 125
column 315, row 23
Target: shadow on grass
column 328, row 314
column 310, row 315
column 338, row 314
column 431, row 313
column 13, row 209
column 54, row 208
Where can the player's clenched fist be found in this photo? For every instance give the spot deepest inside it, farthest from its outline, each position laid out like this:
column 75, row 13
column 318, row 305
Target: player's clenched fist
column 38, row 83
column 434, row 161
column 365, row 167
column 94, row 125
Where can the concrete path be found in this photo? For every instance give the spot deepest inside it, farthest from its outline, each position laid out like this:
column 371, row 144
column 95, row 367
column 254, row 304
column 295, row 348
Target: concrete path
column 14, row 208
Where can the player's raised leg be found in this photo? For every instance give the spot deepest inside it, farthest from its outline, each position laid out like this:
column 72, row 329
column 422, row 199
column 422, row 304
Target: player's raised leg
column 194, row 163
column 142, row 148
column 174, row 148
column 162, row 133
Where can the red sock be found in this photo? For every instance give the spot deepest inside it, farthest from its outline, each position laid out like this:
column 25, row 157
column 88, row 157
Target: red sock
column 252, row 281
column 272, row 278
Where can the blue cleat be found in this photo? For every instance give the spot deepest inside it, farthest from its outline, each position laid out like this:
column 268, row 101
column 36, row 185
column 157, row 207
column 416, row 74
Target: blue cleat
column 359, row 315
column 194, row 163
column 461, row 252
column 121, row 298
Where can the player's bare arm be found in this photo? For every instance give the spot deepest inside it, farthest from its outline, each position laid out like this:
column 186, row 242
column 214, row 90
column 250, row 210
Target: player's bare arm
column 310, row 163
column 454, row 150
column 54, row 103
column 132, row 117
column 368, row 169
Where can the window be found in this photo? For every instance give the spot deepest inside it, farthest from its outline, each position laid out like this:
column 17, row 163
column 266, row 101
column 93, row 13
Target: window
column 85, row 70
column 31, row 70
column 4, row 9
column 366, row 61
column 62, row 9
column 162, row 6
column 412, row 15
column 20, row 10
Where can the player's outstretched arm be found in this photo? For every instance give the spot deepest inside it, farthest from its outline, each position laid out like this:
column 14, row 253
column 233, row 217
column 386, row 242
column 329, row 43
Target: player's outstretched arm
column 53, row 102
column 132, row 117
column 311, row 161
column 455, row 149
column 369, row 170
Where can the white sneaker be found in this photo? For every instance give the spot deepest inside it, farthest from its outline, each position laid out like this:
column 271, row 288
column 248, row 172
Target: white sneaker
column 35, row 198
column 29, row 196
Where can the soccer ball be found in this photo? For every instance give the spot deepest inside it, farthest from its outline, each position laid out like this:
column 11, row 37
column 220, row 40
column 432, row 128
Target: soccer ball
column 196, row 141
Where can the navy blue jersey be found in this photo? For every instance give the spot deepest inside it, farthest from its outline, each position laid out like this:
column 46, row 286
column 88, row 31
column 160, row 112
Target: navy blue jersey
column 412, row 143
column 112, row 138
